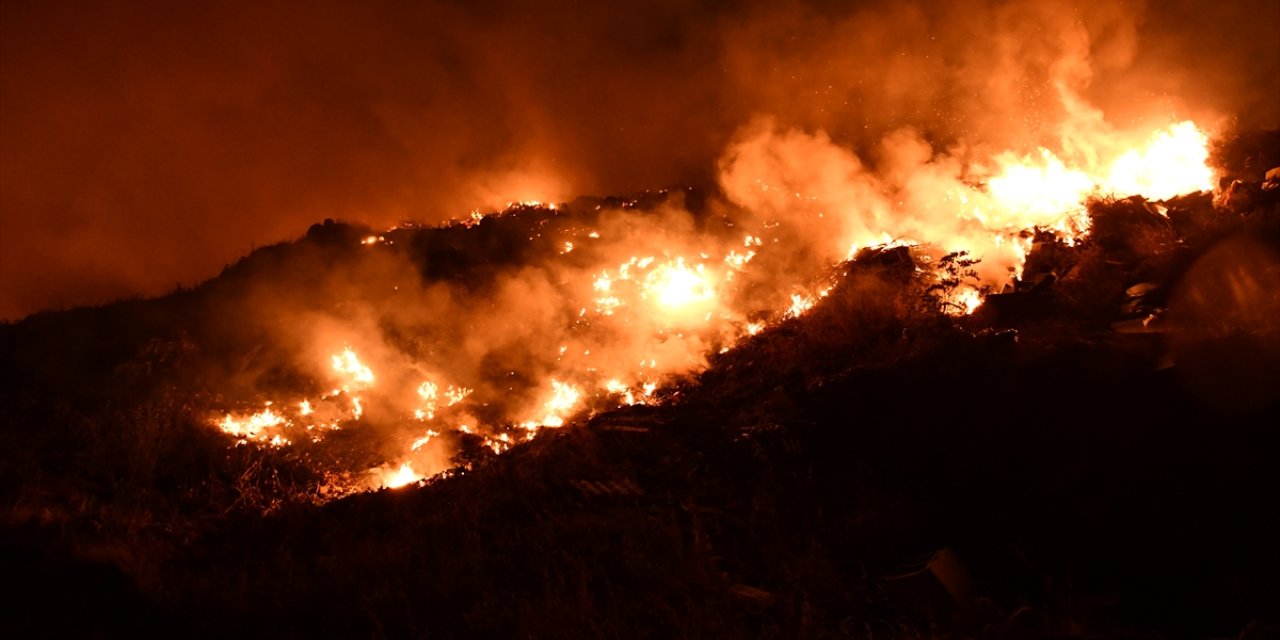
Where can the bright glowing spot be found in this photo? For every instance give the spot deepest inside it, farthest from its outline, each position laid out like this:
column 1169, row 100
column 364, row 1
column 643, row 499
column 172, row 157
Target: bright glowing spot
column 454, row 395
column 427, row 391
column 420, row 442
column 349, row 365
column 250, row 427
column 1031, row 192
column 402, row 476
column 1174, row 162
column 564, row 398
column 676, row 285
column 963, row 301
column 799, row 305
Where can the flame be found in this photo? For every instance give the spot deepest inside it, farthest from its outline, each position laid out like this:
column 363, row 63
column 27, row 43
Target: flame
column 666, row 301
column 675, row 285
column 253, row 426
column 963, row 301
column 799, row 305
column 401, row 476
column 349, row 366
column 1031, row 191
column 564, row 399
column 1173, row 162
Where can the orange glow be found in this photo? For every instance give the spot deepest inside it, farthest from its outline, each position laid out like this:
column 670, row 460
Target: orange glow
column 401, row 476
column 626, row 310
column 1034, row 191
column 261, row 426
column 349, row 366
column 564, row 399
column 675, row 285
column 1173, row 162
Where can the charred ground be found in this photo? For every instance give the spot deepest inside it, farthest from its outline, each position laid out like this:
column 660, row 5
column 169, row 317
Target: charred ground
column 1094, row 449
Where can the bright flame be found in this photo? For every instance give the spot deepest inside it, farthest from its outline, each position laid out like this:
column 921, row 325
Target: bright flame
column 564, row 398
column 349, row 365
column 1035, row 192
column 675, row 285
column 252, row 426
column 1174, row 161
column 666, row 301
column 963, row 301
column 402, row 476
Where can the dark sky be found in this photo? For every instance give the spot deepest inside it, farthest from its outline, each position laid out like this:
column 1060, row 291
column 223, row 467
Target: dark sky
column 147, row 144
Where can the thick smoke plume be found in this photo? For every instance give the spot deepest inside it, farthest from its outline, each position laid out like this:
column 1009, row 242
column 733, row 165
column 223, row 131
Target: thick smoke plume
column 146, row 144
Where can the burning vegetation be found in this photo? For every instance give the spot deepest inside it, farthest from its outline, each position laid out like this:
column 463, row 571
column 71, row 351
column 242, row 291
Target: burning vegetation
column 612, row 301
column 909, row 377
column 675, row 344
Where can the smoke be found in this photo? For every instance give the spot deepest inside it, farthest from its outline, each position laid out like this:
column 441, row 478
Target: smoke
column 147, row 144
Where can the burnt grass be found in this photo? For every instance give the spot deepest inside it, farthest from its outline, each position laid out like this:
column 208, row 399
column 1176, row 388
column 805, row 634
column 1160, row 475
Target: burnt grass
column 1089, row 462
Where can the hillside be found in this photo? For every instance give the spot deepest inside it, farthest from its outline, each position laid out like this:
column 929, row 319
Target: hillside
column 1091, row 453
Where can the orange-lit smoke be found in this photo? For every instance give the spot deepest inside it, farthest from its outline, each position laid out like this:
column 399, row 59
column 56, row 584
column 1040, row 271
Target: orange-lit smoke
column 622, row 300
column 155, row 143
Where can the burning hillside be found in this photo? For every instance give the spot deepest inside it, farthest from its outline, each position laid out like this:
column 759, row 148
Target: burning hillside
column 962, row 322
column 608, row 302
column 688, row 325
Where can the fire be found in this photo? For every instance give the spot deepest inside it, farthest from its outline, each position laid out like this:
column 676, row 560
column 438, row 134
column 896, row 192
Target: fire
column 1032, row 191
column 349, row 366
column 401, row 476
column 679, row 290
column 799, row 305
column 675, row 285
column 564, row 399
column 1042, row 191
column 1173, row 162
column 964, row 300
column 258, row 426
column 640, row 306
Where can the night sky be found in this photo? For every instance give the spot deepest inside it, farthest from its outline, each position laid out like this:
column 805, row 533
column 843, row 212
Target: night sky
column 147, row 144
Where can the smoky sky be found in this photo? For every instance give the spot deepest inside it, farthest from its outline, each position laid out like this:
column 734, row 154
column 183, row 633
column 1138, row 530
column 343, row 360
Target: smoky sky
column 147, row 144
